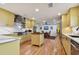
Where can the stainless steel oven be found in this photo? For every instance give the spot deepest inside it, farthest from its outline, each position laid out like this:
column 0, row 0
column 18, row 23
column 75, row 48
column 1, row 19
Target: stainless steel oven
column 74, row 48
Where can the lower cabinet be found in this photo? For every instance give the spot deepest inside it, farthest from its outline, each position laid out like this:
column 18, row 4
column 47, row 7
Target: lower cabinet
column 10, row 48
column 66, row 44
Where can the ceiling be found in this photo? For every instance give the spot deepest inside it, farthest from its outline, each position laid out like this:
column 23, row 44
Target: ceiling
column 28, row 9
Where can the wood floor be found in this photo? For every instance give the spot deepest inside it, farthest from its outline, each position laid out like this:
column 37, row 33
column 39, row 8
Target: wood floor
column 50, row 47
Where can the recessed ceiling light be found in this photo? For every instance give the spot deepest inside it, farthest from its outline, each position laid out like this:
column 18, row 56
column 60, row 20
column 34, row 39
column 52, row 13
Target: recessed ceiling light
column 59, row 14
column 37, row 10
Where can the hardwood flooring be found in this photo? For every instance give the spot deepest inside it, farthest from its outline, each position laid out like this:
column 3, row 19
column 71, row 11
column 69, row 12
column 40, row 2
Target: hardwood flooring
column 50, row 47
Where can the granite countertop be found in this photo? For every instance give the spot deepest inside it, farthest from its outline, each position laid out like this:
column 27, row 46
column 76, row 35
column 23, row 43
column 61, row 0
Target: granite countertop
column 76, row 39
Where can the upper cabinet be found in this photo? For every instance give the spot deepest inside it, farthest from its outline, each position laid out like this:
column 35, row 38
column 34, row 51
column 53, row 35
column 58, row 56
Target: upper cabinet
column 71, row 18
column 74, row 16
column 6, row 18
column 68, row 19
column 64, row 20
column 30, row 23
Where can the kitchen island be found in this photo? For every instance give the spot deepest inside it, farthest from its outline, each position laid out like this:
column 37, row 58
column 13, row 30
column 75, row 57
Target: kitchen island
column 37, row 39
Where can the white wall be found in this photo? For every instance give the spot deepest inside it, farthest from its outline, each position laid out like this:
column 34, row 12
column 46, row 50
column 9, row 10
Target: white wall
column 51, row 22
column 53, row 31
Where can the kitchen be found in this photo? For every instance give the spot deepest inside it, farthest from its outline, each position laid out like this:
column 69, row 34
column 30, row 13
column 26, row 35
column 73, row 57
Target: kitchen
column 41, row 29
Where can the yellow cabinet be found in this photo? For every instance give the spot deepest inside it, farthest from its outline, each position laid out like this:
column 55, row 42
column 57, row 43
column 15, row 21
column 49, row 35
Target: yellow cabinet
column 71, row 18
column 27, row 23
column 37, row 39
column 6, row 18
column 74, row 16
column 10, row 48
column 68, row 19
column 30, row 23
column 64, row 20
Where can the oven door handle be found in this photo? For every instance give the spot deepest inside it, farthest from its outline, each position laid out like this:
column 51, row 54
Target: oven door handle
column 74, row 46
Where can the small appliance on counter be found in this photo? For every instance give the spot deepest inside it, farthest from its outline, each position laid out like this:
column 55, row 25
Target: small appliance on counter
column 75, row 30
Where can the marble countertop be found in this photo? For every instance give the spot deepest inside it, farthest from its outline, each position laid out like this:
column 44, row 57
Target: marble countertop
column 6, row 39
column 76, row 39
